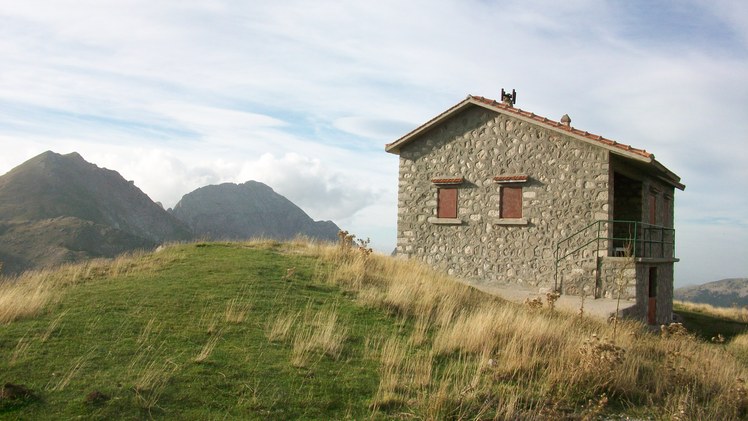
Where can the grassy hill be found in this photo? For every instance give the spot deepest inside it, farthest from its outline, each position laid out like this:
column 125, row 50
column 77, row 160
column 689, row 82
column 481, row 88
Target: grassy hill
column 264, row 330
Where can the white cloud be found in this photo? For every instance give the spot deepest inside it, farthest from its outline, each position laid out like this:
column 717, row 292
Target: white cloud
column 322, row 192
column 382, row 129
column 176, row 95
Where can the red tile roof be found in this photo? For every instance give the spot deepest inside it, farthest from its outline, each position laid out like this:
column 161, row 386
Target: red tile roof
column 559, row 125
column 612, row 145
column 490, row 103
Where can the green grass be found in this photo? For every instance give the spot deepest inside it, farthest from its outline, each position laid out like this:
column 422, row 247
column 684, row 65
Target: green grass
column 135, row 338
column 707, row 326
column 263, row 330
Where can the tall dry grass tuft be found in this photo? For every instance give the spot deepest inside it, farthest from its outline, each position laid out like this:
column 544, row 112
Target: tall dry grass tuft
column 392, row 360
column 152, row 380
column 27, row 294
column 237, row 309
column 319, row 331
column 279, row 328
column 19, row 351
column 150, row 370
column 208, row 347
column 309, row 331
column 487, row 358
column 738, row 346
column 52, row 327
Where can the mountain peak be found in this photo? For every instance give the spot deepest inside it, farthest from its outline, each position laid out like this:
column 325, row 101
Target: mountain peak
column 231, row 211
column 51, row 186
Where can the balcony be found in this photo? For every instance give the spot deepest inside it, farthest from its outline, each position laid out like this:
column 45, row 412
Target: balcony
column 616, row 238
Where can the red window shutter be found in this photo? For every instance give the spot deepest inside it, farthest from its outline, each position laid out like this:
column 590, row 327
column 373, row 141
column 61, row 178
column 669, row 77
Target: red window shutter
column 511, row 202
column 446, row 203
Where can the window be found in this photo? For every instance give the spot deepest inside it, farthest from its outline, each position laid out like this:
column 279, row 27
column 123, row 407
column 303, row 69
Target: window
column 446, row 202
column 510, row 199
column 511, row 202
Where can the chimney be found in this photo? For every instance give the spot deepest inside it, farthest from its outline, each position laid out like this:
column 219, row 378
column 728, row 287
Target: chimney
column 566, row 120
column 507, row 98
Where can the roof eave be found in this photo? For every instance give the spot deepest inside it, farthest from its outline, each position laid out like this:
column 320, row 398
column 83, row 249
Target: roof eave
column 670, row 177
column 394, row 147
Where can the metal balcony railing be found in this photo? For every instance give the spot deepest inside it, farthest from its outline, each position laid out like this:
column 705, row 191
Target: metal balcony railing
column 617, row 238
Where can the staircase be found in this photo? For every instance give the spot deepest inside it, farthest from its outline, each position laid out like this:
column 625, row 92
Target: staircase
column 578, row 256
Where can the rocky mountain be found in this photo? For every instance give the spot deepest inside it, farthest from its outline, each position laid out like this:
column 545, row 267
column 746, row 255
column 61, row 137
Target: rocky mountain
column 723, row 293
column 59, row 208
column 240, row 211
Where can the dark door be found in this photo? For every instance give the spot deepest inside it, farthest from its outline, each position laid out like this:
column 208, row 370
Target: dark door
column 652, row 304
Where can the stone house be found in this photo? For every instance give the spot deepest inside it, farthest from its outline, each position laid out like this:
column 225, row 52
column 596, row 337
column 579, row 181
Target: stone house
column 496, row 195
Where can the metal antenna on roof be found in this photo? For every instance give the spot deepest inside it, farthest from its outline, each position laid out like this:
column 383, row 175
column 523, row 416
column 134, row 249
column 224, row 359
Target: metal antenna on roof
column 507, row 98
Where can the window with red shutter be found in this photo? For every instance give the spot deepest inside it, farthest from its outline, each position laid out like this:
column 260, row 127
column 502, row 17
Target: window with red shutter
column 511, row 202
column 446, row 203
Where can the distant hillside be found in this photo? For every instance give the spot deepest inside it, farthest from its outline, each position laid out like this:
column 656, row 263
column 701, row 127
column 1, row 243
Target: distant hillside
column 59, row 208
column 723, row 293
column 240, row 211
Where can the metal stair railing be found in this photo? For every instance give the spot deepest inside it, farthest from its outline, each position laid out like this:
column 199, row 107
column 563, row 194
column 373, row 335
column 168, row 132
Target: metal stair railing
column 644, row 240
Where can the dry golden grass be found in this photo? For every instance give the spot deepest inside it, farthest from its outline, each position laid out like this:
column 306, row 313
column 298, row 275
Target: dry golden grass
column 740, row 341
column 20, row 349
column 27, row 294
column 309, row 331
column 513, row 362
column 152, row 378
column 237, row 310
column 151, row 328
column 738, row 314
column 279, row 329
column 208, row 347
column 24, row 296
column 319, row 331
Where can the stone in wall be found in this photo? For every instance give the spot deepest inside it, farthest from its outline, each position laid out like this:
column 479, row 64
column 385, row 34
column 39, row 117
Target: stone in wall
column 566, row 190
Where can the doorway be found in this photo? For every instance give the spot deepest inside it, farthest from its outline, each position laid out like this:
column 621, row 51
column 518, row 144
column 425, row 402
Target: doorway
column 627, row 206
column 652, row 302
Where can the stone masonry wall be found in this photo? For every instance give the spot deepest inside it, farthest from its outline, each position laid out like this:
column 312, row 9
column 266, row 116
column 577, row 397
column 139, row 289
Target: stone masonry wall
column 567, row 189
column 618, row 273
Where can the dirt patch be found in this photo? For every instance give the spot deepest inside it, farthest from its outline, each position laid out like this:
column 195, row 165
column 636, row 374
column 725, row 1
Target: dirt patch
column 95, row 397
column 15, row 392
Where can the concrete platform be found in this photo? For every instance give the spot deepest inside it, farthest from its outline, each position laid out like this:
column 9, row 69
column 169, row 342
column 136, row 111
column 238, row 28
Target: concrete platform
column 601, row 307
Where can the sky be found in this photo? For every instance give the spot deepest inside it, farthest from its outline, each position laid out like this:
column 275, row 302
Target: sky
column 303, row 95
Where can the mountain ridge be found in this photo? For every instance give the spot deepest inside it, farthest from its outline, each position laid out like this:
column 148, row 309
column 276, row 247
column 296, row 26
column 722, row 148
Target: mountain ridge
column 57, row 209
column 229, row 211
column 722, row 293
